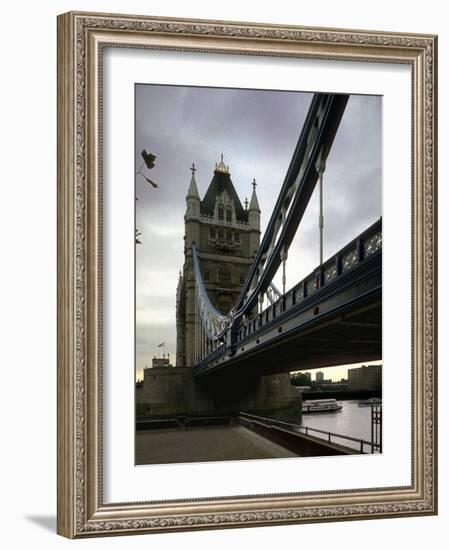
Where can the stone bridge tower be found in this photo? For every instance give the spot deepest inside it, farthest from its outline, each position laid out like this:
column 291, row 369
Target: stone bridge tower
column 226, row 236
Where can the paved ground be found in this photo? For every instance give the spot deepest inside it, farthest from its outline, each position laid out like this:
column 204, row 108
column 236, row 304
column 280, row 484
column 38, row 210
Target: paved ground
column 203, row 444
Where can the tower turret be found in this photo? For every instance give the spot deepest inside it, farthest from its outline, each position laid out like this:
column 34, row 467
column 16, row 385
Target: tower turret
column 254, row 219
column 193, row 197
column 192, row 215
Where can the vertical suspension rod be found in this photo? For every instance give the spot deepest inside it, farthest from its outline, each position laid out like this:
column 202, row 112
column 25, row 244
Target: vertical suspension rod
column 320, row 167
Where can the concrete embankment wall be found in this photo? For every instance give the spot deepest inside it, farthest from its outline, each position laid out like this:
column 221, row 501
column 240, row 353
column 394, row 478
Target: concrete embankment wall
column 174, row 392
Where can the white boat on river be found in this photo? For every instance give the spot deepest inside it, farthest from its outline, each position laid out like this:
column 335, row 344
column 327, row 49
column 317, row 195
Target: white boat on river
column 321, row 405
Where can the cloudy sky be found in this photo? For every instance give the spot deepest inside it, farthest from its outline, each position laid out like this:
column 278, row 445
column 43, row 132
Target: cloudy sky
column 256, row 131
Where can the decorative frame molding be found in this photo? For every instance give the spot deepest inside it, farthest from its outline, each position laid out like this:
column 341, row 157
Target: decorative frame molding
column 81, row 37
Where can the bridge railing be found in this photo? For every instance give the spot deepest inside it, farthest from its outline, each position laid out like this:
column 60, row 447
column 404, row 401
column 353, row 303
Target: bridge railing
column 366, row 245
column 354, row 253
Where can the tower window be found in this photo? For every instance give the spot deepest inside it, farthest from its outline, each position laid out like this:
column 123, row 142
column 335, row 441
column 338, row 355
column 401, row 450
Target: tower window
column 220, row 214
column 224, row 276
column 229, row 215
column 237, row 237
column 220, row 233
column 212, row 233
column 229, row 235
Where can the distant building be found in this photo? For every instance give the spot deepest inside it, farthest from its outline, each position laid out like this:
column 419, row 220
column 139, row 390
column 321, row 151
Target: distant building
column 161, row 362
column 367, row 377
column 319, row 377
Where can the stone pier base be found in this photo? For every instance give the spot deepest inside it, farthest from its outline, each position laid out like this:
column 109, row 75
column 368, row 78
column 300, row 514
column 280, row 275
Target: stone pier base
column 175, row 392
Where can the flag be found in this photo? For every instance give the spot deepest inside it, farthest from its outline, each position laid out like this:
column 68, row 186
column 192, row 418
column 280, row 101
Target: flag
column 148, row 159
column 161, row 345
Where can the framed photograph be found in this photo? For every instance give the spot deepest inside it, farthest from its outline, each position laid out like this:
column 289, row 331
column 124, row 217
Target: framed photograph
column 246, row 274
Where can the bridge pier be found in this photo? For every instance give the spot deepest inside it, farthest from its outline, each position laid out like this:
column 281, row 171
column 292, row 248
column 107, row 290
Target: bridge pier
column 175, row 392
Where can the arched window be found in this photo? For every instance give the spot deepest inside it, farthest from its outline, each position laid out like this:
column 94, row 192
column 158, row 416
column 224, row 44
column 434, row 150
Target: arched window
column 220, row 213
column 228, row 215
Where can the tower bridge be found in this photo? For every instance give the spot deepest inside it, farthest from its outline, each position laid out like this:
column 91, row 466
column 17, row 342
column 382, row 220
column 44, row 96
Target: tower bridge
column 238, row 335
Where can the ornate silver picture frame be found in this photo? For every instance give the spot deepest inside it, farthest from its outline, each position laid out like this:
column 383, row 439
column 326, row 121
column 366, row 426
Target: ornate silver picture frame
column 83, row 510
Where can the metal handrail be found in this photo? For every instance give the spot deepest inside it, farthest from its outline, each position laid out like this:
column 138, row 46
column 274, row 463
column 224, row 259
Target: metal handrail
column 329, row 435
column 297, row 428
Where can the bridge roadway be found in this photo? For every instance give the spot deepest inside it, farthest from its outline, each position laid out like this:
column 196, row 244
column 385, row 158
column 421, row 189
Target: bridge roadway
column 332, row 317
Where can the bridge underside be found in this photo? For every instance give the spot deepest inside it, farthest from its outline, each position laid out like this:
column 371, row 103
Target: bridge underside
column 347, row 338
column 340, row 326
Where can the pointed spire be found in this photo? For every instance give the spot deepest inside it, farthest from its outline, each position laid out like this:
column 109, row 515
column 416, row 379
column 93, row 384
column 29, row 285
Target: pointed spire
column 193, row 189
column 254, row 204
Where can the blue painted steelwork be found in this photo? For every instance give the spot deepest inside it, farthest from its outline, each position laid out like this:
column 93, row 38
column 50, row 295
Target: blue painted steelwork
column 326, row 280
column 317, row 135
column 214, row 323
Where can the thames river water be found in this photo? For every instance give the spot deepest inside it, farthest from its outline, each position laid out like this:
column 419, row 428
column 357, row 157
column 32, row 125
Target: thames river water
column 351, row 420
